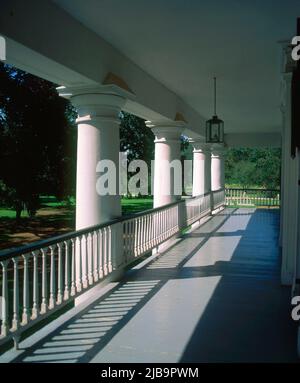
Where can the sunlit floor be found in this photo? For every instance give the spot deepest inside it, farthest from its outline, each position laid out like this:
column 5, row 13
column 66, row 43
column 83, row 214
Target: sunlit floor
column 214, row 297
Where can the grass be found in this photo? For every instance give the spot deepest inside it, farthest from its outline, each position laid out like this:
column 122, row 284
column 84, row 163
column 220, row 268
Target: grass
column 135, row 205
column 53, row 218
column 9, row 213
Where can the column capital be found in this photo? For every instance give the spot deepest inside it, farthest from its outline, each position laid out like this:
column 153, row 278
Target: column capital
column 200, row 146
column 94, row 102
column 166, row 131
column 218, row 150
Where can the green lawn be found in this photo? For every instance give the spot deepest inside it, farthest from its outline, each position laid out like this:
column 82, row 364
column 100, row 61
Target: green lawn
column 135, row 205
column 9, row 213
column 53, row 218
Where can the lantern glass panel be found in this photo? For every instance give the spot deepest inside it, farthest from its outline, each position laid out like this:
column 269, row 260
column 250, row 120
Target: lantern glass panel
column 215, row 130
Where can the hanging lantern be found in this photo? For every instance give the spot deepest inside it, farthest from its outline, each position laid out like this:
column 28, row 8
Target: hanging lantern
column 215, row 126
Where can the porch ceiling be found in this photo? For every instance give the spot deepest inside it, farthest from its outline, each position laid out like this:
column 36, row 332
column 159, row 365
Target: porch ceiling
column 183, row 44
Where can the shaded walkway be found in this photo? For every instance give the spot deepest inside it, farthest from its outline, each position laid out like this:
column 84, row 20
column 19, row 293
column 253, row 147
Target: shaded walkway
column 214, row 297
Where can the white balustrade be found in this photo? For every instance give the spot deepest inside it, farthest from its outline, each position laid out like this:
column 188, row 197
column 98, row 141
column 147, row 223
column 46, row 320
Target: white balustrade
column 252, row 197
column 57, row 270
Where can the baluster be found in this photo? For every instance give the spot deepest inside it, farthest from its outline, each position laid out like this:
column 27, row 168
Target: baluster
column 142, row 235
column 25, row 315
column 153, row 240
column 100, row 247
column 67, row 272
column 95, row 255
column 60, row 275
column 135, row 236
column 132, row 238
column 44, row 305
column 125, row 231
column 175, row 209
column 156, row 228
column 84, row 257
column 109, row 248
column 73, row 268
column 171, row 220
column 141, row 244
column 129, row 241
column 104, row 251
column 52, row 300
column 168, row 214
column 35, row 295
column 78, row 260
column 160, row 227
column 138, row 233
column 148, row 232
column 167, row 223
column 4, row 325
column 15, row 320
column 90, row 259
column 131, row 250
column 163, row 224
column 151, row 231
column 175, row 213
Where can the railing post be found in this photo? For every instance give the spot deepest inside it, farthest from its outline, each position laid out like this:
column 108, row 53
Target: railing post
column 117, row 246
column 52, row 300
column 60, row 275
column 67, row 272
column 73, row 267
column 15, row 321
column 95, row 256
column 35, row 300
column 182, row 215
column 212, row 204
column 4, row 325
column 44, row 305
column 25, row 315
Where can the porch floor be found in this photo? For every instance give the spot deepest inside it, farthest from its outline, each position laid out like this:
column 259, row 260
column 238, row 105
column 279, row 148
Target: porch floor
column 213, row 297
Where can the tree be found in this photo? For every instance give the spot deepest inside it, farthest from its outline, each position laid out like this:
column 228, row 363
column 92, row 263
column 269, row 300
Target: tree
column 136, row 139
column 259, row 167
column 37, row 140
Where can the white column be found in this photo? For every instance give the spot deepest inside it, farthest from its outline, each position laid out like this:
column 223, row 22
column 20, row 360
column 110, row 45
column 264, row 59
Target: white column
column 98, row 139
column 217, row 168
column 201, row 168
column 167, row 164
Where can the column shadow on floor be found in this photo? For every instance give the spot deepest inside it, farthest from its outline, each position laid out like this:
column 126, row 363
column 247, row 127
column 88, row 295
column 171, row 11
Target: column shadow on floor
column 248, row 317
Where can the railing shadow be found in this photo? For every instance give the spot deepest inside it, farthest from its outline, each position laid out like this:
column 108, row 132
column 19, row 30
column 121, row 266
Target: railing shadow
column 86, row 334
column 246, row 318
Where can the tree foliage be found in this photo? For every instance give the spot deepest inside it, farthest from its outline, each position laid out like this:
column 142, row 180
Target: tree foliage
column 136, row 139
column 253, row 167
column 37, row 140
